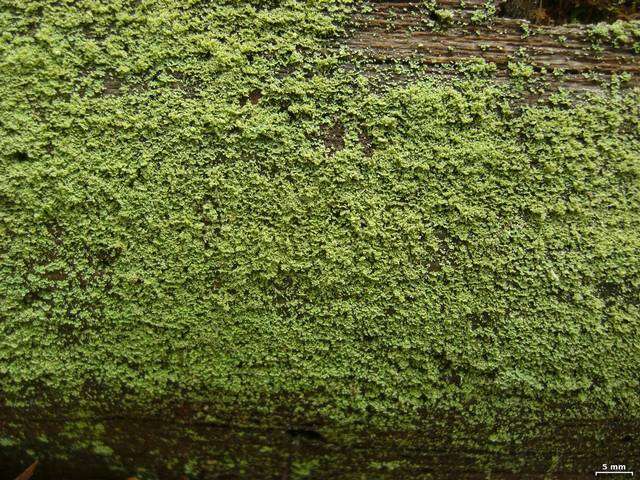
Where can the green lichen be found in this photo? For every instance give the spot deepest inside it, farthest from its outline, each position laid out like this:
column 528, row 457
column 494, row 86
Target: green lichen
column 444, row 16
column 484, row 14
column 618, row 34
column 520, row 69
column 204, row 206
column 476, row 67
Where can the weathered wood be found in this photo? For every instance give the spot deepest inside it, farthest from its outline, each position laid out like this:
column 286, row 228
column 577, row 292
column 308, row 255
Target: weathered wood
column 402, row 30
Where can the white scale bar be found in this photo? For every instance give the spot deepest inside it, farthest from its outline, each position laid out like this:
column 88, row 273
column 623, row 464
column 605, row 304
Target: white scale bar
column 615, row 473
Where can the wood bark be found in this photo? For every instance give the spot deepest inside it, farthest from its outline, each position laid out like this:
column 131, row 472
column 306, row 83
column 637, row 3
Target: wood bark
column 396, row 31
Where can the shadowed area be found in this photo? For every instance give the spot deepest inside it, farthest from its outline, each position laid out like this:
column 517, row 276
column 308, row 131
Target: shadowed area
column 116, row 449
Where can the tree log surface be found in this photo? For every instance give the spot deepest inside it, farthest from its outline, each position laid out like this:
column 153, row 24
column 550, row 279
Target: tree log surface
column 396, row 31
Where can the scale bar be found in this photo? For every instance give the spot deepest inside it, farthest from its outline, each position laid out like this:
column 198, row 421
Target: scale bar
column 615, row 473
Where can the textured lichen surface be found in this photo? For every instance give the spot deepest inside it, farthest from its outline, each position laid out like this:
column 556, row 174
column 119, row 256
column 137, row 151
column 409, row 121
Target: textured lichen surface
column 205, row 205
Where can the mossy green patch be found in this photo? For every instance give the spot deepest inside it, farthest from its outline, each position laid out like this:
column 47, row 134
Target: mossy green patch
column 202, row 204
column 618, row 34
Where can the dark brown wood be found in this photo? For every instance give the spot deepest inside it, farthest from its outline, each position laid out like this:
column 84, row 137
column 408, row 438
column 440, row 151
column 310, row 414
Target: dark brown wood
column 401, row 30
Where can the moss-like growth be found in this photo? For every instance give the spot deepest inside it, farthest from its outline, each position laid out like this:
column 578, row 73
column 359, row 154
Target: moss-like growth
column 618, row 34
column 205, row 210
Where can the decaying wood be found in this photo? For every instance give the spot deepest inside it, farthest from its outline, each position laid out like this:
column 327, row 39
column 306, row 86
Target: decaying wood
column 399, row 30
column 28, row 473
